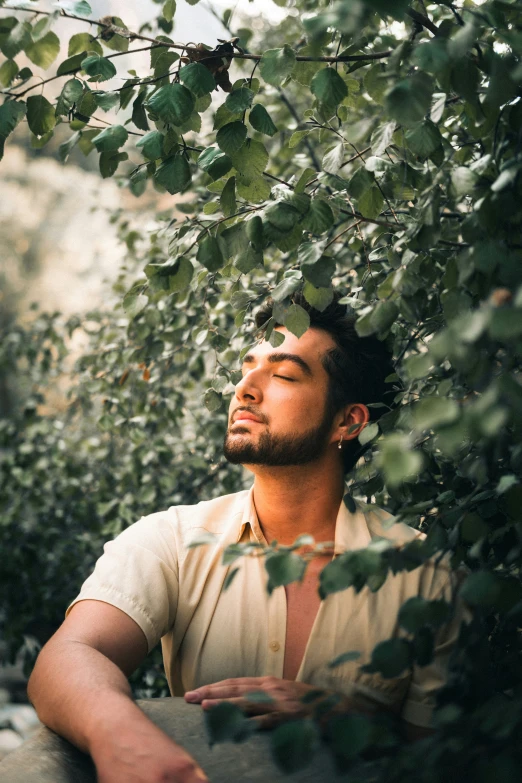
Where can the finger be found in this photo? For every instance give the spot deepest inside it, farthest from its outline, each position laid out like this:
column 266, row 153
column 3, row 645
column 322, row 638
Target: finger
column 226, row 689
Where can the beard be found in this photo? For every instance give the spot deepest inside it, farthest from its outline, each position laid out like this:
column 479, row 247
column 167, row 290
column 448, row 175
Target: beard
column 278, row 450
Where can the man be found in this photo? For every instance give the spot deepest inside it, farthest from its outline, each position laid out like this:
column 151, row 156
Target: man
column 293, row 421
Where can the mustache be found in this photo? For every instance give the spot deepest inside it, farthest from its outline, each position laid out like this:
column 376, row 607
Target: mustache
column 250, row 409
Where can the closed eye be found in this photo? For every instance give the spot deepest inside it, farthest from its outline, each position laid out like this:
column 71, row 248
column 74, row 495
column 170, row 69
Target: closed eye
column 284, row 378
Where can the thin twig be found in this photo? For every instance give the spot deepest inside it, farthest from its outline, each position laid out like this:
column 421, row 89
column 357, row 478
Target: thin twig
column 344, row 231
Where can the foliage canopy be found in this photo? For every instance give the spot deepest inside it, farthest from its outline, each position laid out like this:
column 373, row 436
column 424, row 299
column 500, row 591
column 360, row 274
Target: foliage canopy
column 365, row 146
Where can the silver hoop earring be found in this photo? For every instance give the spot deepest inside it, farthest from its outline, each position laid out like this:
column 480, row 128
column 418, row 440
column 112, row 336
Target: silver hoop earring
column 340, row 444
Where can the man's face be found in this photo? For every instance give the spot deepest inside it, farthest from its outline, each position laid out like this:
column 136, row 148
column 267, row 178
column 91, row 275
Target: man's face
column 278, row 413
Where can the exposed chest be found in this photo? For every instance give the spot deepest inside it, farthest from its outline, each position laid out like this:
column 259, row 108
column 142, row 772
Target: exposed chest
column 302, row 606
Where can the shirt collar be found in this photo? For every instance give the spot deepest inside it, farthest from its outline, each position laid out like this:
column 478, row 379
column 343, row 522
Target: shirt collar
column 351, row 528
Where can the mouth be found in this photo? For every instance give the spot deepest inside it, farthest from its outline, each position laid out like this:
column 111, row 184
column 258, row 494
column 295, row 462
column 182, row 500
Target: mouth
column 245, row 418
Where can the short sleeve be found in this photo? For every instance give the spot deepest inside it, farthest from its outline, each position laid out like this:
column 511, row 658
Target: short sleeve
column 426, row 680
column 138, row 573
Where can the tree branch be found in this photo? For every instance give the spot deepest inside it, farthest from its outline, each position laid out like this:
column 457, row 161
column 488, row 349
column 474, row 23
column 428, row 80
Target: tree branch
column 192, row 49
column 423, row 20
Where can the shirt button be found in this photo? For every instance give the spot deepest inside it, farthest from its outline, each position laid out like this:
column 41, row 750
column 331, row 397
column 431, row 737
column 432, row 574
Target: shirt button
column 274, row 646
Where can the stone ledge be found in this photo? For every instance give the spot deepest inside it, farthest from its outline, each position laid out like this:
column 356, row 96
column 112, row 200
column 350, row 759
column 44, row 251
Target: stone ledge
column 47, row 758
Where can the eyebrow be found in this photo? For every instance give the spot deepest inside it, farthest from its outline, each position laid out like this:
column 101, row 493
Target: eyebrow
column 276, row 358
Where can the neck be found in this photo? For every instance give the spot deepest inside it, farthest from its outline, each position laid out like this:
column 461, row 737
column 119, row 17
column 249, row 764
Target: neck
column 298, row 499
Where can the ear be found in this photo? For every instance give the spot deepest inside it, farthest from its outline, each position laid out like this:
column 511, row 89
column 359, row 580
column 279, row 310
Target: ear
column 354, row 418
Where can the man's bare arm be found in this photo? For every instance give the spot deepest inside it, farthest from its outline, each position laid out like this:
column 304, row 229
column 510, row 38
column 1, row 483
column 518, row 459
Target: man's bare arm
column 80, row 690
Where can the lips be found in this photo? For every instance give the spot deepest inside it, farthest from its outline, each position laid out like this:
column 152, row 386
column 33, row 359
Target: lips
column 245, row 416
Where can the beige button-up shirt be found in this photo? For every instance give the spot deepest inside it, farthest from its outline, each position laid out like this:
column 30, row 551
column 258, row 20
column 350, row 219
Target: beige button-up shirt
column 175, row 593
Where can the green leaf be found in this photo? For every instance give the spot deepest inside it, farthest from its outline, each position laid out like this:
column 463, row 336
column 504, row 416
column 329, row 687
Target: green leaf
column 139, row 116
column 11, row 113
column 423, row 139
column 319, row 218
column 390, row 658
column 209, row 253
column 435, row 411
column 227, row 199
column 255, row 191
column 179, row 272
column 151, row 145
column 409, row 99
column 376, row 82
column 8, row 71
column 106, row 100
column 231, row 137
column 283, row 568
column 417, row 612
column 465, row 79
column 297, row 320
column 481, row 588
column 64, row 150
column 370, row 203
column 109, row 162
column 350, row 735
column 328, row 87
column 249, row 259
column 368, row 433
column 40, row 115
column 239, row 100
column 81, row 43
column 44, row 52
column 169, row 9
column 320, row 272
column 319, row 298
column 296, row 137
column 225, row 721
column 174, row 174
column 111, row 139
column 98, row 68
column 282, row 215
column 261, row 121
column 250, row 160
column 77, row 7
column 197, row 78
column 333, row 158
column 360, row 182
column 71, row 65
column 254, row 232
column 17, row 39
column 382, row 137
column 212, row 400
column 397, row 8
column 134, row 303
column 305, row 177
column 463, row 181
column 172, row 103
column 293, row 744
column 214, row 162
column 276, row 64
column 398, row 460
column 347, row 657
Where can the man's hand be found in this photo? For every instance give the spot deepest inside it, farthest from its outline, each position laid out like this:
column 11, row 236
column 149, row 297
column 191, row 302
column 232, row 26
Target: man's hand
column 145, row 756
column 268, row 699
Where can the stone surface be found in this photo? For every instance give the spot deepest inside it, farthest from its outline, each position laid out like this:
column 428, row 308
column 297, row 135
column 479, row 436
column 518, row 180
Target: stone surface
column 9, row 741
column 47, row 758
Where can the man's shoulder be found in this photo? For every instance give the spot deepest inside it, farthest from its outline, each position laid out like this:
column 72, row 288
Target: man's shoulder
column 214, row 516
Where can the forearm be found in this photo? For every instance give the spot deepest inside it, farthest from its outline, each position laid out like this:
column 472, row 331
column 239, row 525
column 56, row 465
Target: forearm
column 80, row 694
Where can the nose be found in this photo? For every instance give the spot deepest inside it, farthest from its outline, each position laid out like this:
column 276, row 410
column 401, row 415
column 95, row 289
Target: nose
column 247, row 389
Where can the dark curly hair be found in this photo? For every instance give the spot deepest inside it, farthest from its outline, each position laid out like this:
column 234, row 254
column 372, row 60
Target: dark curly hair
column 357, row 367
